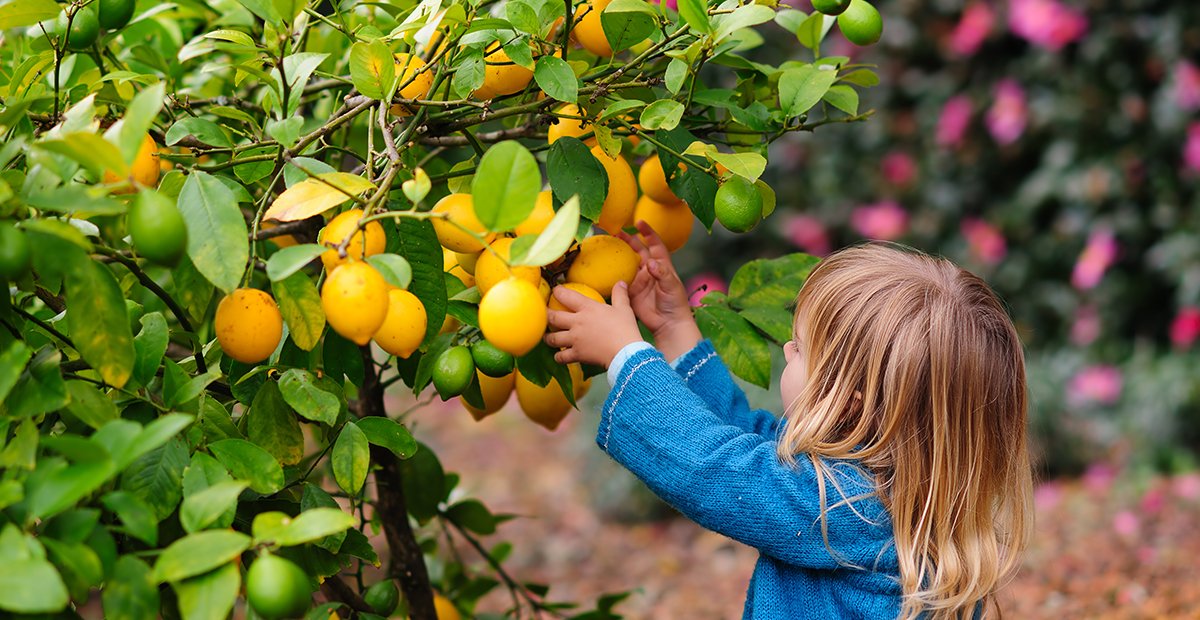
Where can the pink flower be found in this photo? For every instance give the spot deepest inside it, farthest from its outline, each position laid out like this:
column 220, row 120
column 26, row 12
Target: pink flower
column 1049, row 24
column 1095, row 385
column 987, row 244
column 808, row 233
column 1187, row 86
column 1098, row 255
column 898, row 168
column 954, row 121
column 1126, row 523
column 883, row 220
column 1086, row 327
column 1006, row 118
column 972, row 29
column 1153, row 500
column 1047, row 496
column 1185, row 329
column 703, row 284
column 671, row 4
column 1099, row 477
column 1187, row 486
column 1191, row 149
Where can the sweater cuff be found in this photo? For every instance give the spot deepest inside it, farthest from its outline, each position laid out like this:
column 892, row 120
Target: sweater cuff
column 622, row 356
column 632, row 363
column 689, row 363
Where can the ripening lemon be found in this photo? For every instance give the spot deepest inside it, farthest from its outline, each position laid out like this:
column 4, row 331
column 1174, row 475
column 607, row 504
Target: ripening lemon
column 544, row 290
column 277, row 588
column 672, row 222
column 502, row 76
column 144, row 170
column 622, row 192
column 460, row 211
column 495, row 392
column 369, row 241
column 512, row 316
column 602, row 262
column 547, row 405
column 860, row 23
column 452, row 266
column 444, row 608
column 414, row 83
column 653, row 181
column 582, row 289
column 248, row 325
column 738, row 204
column 540, row 217
column 492, row 269
column 467, row 261
column 588, row 31
column 403, row 328
column 569, row 127
column 355, row 300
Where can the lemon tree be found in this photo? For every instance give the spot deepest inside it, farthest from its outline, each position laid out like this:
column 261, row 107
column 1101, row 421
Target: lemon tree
column 228, row 228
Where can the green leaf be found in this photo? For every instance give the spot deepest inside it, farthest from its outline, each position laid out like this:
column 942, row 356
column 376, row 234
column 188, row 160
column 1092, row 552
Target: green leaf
column 300, row 305
column 21, row 13
column 136, row 516
column 77, row 564
column 506, row 185
column 314, row 524
column 812, row 31
column 744, row 16
column 220, row 254
column 149, row 346
column 522, row 16
column 394, row 269
column 89, row 150
column 265, row 10
column 372, row 68
column 390, row 434
column 199, row 553
column 420, row 247
column 574, row 171
column 424, row 483
column 472, row 516
column 287, row 131
column 800, row 89
column 695, row 13
column 747, row 165
column 189, row 390
column 770, row 283
column 155, row 478
column 211, row 595
column 201, row 130
column 139, row 118
column 843, row 98
column 271, row 425
column 626, row 23
column 249, row 462
column 201, row 509
column 662, row 114
column 350, row 459
column 31, row 585
column 299, row 168
column 469, row 72
column 694, row 186
column 675, row 75
column 98, row 322
column 130, row 592
column 40, row 388
column 291, row 259
column 555, row 240
column 774, row 322
column 740, row 346
column 299, row 390
column 50, row 494
column 90, row 405
column 555, row 77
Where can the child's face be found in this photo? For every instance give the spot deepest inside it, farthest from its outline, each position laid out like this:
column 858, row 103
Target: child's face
column 795, row 373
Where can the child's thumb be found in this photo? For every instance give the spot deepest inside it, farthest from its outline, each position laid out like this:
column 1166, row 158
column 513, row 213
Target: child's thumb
column 620, row 295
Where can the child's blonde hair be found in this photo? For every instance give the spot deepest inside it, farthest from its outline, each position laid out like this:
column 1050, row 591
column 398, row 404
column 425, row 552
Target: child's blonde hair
column 916, row 372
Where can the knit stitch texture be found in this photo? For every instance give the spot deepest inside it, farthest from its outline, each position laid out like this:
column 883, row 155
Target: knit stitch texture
column 690, row 435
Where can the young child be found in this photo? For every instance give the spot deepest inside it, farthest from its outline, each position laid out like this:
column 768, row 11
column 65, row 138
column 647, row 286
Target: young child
column 897, row 484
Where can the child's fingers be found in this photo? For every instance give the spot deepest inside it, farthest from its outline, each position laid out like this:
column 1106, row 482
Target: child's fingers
column 654, row 244
column 566, row 356
column 620, row 295
column 558, row 340
column 635, row 243
column 559, row 319
column 573, row 300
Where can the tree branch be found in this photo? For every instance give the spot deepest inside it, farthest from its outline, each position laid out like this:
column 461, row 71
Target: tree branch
column 337, row 590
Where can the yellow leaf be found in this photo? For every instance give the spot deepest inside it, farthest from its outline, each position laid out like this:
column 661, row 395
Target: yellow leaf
column 312, row 196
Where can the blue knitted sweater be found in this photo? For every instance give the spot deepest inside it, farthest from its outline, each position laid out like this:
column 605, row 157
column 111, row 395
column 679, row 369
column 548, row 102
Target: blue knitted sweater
column 690, row 435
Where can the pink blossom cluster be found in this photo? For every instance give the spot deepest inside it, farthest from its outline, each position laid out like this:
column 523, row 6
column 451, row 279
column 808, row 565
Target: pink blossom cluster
column 1098, row 255
column 702, row 284
column 954, row 121
column 885, row 220
column 898, row 168
column 1185, row 328
column 808, row 233
column 1009, row 113
column 986, row 242
column 1186, row 90
column 1048, row 24
column 972, row 29
column 1095, row 385
column 1191, row 148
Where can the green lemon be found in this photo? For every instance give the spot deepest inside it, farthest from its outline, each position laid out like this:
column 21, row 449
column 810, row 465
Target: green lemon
column 739, row 205
column 15, row 257
column 861, row 23
column 831, row 7
column 157, row 228
column 383, row 597
column 85, row 28
column 490, row 360
column 115, row 14
column 453, row 371
column 277, row 588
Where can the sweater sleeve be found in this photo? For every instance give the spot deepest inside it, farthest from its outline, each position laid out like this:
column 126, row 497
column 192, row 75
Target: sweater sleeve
column 706, row 375
column 725, row 478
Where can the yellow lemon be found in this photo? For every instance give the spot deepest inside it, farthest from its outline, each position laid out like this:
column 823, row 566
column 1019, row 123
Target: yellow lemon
column 460, row 209
column 403, row 327
column 653, row 181
column 622, row 192
column 544, row 290
column 143, row 171
column 547, row 405
column 512, row 316
column 672, row 222
column 282, row 241
column 414, row 83
column 452, row 266
column 602, row 262
column 495, row 392
column 582, row 289
column 355, row 300
column 588, row 31
column 444, row 608
column 492, row 269
column 501, row 76
column 569, row 127
column 539, row 218
column 467, row 261
column 248, row 325
column 369, row 241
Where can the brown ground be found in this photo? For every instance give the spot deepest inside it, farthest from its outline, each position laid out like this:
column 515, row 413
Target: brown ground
column 1105, row 547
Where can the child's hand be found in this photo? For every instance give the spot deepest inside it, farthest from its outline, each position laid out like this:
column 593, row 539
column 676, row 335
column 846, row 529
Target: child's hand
column 658, row 296
column 592, row 332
